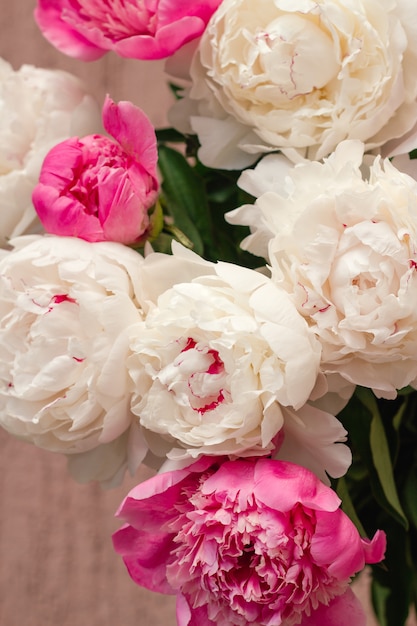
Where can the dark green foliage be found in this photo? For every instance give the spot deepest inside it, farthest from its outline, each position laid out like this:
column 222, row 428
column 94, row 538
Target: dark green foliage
column 380, row 491
column 195, row 199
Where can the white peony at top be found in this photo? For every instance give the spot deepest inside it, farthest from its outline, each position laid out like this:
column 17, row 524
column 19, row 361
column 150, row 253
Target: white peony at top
column 301, row 76
column 224, row 364
column 343, row 244
column 65, row 307
column 38, row 109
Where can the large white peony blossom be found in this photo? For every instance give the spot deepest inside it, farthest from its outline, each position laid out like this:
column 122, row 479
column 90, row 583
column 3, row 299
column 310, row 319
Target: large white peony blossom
column 38, row 109
column 224, row 364
column 65, row 307
column 344, row 245
column 301, row 75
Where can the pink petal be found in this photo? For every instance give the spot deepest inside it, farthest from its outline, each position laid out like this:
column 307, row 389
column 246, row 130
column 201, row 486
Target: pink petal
column 145, row 556
column 347, row 552
column 186, row 616
column 123, row 215
column 152, row 511
column 63, row 216
column 62, row 35
column 277, row 484
column 165, row 42
column 133, row 130
column 60, row 162
column 344, row 552
column 344, row 610
column 149, row 504
column 296, row 484
column 178, row 23
column 170, row 12
column 375, row 549
column 183, row 611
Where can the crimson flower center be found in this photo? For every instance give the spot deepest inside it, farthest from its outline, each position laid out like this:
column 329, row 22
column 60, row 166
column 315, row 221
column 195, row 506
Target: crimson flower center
column 197, row 376
column 99, row 160
column 249, row 564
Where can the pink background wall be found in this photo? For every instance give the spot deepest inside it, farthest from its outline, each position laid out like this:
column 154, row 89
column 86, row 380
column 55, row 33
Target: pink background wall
column 57, row 565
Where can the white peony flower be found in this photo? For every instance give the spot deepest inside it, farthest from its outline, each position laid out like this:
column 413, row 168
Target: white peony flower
column 65, row 307
column 345, row 247
column 301, row 75
column 38, row 109
column 222, row 365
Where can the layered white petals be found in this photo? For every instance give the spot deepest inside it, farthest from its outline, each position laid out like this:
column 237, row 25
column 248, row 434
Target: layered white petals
column 218, row 360
column 65, row 307
column 301, row 76
column 344, row 245
column 313, row 438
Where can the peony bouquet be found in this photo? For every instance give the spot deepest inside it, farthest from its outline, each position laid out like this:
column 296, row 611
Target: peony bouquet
column 231, row 301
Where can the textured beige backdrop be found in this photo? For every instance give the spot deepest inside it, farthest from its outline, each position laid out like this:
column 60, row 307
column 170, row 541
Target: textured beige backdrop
column 57, row 566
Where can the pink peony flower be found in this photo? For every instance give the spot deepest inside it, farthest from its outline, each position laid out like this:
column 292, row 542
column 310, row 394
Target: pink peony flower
column 137, row 29
column 101, row 189
column 259, row 542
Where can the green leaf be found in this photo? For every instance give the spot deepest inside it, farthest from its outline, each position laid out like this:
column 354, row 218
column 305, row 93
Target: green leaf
column 398, row 417
column 176, row 90
column 382, row 462
column 156, row 220
column 409, row 494
column 380, row 595
column 178, row 235
column 162, row 243
column 362, row 419
column 185, row 198
column 392, row 584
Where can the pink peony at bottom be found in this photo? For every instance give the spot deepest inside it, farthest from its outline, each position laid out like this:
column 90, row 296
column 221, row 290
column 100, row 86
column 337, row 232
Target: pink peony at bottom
column 250, row 541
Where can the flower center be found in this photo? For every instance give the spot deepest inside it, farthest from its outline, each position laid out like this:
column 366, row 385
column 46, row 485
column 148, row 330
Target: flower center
column 116, row 19
column 99, row 159
column 364, row 281
column 287, row 57
column 197, row 376
column 249, row 563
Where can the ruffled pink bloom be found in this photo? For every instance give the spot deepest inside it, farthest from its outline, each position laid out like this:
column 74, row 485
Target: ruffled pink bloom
column 258, row 542
column 137, row 29
column 100, row 189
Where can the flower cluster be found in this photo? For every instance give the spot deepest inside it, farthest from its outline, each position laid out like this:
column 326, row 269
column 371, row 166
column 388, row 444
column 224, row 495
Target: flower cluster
column 239, row 313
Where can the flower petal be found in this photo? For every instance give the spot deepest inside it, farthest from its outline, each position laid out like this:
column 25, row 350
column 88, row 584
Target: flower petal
column 144, row 555
column 132, row 128
column 344, row 610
